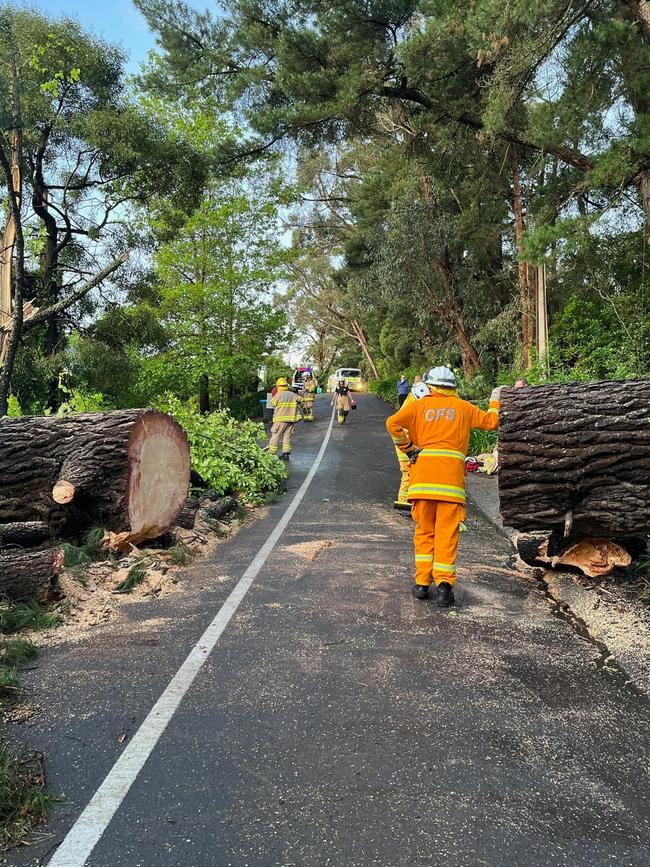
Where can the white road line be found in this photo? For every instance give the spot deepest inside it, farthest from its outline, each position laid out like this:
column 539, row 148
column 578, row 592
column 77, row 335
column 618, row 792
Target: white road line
column 91, row 824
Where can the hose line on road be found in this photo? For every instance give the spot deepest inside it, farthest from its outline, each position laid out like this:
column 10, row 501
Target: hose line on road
column 86, row 832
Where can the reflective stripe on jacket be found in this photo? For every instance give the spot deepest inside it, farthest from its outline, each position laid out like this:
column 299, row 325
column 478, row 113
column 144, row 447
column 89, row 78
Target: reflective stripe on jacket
column 440, row 425
column 286, row 406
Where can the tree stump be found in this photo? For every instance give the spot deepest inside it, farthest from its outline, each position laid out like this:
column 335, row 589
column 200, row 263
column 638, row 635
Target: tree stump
column 574, row 460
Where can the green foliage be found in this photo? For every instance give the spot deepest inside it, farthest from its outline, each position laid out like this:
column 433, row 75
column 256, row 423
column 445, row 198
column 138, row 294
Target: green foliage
column 136, row 575
column 30, row 615
column 227, row 453
column 385, row 389
column 14, row 410
column 23, row 803
column 216, row 279
column 482, row 442
column 13, row 653
column 90, row 549
column 181, row 555
column 17, row 651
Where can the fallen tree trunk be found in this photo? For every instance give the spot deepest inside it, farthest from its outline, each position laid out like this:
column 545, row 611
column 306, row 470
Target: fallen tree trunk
column 28, row 574
column 127, row 471
column 574, row 459
column 25, row 534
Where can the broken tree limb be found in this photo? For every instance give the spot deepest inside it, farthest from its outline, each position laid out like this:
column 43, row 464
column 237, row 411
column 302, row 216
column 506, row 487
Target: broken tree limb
column 127, row 471
column 575, row 460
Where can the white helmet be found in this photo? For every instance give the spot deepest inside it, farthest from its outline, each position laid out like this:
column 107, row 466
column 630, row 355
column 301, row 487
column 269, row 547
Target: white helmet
column 420, row 389
column 442, row 376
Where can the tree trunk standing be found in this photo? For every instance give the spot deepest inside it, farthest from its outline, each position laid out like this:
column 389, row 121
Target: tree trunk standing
column 363, row 343
column 451, row 314
column 204, row 394
column 522, row 267
column 575, row 459
column 12, row 169
column 127, row 471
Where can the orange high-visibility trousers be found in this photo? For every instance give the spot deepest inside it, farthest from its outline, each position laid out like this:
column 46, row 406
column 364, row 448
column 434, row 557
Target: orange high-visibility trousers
column 437, row 530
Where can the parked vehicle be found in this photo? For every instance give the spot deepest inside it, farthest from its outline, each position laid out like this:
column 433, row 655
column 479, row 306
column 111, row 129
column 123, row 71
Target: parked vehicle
column 352, row 375
column 300, row 374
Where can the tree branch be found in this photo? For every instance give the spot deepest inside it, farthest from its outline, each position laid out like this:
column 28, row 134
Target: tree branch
column 79, row 293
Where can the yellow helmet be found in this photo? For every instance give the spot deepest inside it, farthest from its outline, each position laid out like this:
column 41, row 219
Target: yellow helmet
column 282, row 383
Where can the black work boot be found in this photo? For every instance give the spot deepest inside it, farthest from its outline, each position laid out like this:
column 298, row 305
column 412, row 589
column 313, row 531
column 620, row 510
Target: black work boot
column 420, row 591
column 445, row 596
column 284, row 456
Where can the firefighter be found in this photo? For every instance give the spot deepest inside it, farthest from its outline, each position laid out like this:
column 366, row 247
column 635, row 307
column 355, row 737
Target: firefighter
column 309, row 395
column 343, row 398
column 286, row 412
column 434, row 433
column 418, row 390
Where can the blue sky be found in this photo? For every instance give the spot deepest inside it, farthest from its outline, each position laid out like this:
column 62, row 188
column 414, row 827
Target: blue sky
column 114, row 20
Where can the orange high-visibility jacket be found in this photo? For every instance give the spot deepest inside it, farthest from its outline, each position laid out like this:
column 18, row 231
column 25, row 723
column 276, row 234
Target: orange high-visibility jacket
column 440, row 425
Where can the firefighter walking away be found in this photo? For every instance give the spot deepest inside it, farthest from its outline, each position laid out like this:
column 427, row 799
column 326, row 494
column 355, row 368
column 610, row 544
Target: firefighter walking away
column 309, row 395
column 286, row 412
column 433, row 433
column 343, row 399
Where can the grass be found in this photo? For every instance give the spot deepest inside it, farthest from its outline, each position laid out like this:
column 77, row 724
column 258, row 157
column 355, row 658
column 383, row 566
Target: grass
column 23, row 802
column 90, row 549
column 17, row 651
column 14, row 652
column 9, row 683
column 181, row 555
column 29, row 615
column 136, row 575
column 482, row 442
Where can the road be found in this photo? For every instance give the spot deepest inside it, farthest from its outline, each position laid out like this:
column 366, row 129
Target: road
column 338, row 721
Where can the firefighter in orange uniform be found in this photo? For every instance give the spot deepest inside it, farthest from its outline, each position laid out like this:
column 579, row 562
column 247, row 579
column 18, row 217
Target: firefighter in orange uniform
column 434, row 433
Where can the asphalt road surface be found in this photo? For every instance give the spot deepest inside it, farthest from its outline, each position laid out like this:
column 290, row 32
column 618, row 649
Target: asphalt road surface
column 338, row 721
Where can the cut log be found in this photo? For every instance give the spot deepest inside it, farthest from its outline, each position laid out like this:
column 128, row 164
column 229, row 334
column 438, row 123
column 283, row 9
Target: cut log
column 26, row 534
column 575, row 459
column 218, row 508
column 187, row 516
column 28, row 574
column 127, row 471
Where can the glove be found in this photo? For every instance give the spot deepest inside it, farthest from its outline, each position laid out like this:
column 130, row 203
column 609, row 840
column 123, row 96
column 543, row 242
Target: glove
column 413, row 456
column 496, row 394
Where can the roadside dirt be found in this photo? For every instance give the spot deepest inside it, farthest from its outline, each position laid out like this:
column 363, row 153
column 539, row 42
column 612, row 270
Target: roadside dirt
column 91, row 595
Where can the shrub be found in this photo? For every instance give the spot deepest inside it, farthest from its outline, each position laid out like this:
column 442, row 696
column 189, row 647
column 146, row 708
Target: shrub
column 386, row 389
column 227, row 452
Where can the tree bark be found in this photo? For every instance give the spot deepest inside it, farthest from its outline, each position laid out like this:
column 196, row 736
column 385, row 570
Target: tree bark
column 522, row 267
column 575, row 459
column 204, row 394
column 363, row 343
column 25, row 534
column 28, row 574
column 127, row 471
column 12, row 170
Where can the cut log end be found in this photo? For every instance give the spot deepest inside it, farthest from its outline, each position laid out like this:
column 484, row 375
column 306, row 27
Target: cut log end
column 159, row 474
column 63, row 492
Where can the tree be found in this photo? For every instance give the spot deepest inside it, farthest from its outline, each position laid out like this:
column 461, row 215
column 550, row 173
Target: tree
column 76, row 153
column 217, row 278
